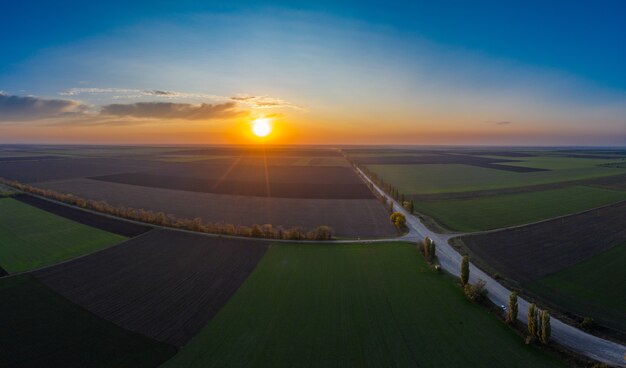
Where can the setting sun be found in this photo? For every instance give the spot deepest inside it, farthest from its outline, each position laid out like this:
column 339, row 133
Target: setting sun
column 261, row 127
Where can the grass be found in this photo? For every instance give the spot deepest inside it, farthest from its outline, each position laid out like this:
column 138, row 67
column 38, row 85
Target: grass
column 31, row 238
column 595, row 287
column 484, row 213
column 354, row 305
column 39, row 328
column 448, row 178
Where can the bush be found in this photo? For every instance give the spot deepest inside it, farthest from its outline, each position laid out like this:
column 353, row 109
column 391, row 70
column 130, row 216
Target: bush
column 477, row 292
column 587, row 324
column 398, row 219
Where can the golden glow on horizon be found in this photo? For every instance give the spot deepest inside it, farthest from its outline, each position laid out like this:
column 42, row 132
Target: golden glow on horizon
column 261, row 127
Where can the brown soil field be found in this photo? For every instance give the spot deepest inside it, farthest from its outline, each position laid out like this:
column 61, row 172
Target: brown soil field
column 490, row 163
column 105, row 223
column 305, row 189
column 347, row 217
column 530, row 252
column 164, row 284
column 29, row 158
column 44, row 170
column 259, row 151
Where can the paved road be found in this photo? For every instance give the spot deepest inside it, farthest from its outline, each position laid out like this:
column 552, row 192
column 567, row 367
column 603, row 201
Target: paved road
column 450, row 260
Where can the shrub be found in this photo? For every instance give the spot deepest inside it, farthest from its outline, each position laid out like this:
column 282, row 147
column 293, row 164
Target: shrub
column 398, row 219
column 477, row 292
column 587, row 324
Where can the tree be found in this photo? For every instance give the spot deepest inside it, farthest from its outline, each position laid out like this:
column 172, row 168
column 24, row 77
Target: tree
column 546, row 330
column 429, row 249
column 465, row 270
column 511, row 315
column 398, row 219
column 532, row 320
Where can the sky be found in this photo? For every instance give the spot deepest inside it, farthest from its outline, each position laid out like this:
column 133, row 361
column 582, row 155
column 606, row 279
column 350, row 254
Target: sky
column 322, row 72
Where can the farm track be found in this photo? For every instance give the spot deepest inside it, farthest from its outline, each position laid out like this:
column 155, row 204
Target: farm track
column 164, row 284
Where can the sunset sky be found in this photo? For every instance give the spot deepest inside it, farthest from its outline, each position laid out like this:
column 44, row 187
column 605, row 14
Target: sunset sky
column 151, row 72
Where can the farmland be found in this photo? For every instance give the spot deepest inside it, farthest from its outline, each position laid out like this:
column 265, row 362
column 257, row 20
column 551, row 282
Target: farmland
column 552, row 245
column 32, row 238
column 353, row 305
column 39, row 328
column 514, row 209
column 163, row 284
column 289, row 187
column 593, row 287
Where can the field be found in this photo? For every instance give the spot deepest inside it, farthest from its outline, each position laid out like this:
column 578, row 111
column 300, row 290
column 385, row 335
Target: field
column 593, row 287
column 39, row 328
column 90, row 219
column 289, row 187
column 353, row 305
column 164, row 284
column 347, row 217
column 495, row 212
column 552, row 245
column 32, row 238
column 435, row 179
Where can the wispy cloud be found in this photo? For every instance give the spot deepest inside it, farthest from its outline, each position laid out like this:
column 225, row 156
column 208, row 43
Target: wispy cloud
column 264, row 102
column 170, row 110
column 504, row 122
column 25, row 108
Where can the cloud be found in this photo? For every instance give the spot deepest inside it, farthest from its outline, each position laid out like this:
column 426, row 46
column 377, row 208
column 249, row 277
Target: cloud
column 129, row 93
column 264, row 102
column 24, row 108
column 170, row 110
column 504, row 123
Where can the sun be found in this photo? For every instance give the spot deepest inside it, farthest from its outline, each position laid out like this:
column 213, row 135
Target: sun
column 261, row 127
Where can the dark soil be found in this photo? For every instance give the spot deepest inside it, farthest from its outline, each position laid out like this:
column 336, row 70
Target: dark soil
column 259, row 188
column 530, row 252
column 164, row 284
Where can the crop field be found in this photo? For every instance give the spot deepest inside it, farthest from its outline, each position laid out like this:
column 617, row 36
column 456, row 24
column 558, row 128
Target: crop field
column 594, row 287
column 493, row 212
column 32, row 238
column 347, row 217
column 552, row 245
column 164, row 284
column 446, row 178
column 353, row 305
column 90, row 219
column 40, row 328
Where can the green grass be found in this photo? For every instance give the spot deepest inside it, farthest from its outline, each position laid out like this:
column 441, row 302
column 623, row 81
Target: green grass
column 484, row 213
column 39, row 328
column 432, row 179
column 32, row 238
column 595, row 287
column 354, row 306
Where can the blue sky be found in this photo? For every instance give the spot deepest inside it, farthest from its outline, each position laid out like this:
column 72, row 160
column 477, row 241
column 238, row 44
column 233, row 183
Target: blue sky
column 554, row 71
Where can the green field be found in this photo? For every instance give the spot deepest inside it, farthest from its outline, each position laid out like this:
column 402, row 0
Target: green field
column 354, row 306
column 484, row 213
column 32, row 238
column 39, row 328
column 595, row 287
column 441, row 178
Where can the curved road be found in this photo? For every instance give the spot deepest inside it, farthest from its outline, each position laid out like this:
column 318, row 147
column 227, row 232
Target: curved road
column 577, row 340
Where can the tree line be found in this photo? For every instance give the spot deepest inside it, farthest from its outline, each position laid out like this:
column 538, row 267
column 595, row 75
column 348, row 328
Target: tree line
column 392, row 191
column 268, row 231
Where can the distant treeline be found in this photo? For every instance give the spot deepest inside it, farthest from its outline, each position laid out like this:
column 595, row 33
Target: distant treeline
column 392, row 191
column 161, row 219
